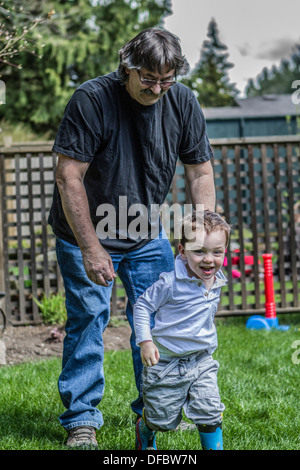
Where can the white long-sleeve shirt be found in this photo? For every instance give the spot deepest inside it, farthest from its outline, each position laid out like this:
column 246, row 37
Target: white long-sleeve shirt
column 185, row 311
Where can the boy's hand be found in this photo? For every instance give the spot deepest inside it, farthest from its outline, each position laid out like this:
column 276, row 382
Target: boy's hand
column 149, row 353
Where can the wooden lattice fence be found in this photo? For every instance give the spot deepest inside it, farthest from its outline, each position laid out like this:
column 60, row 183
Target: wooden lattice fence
column 257, row 184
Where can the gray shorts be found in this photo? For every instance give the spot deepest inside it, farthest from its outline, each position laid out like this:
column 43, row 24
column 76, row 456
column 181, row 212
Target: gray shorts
column 186, row 383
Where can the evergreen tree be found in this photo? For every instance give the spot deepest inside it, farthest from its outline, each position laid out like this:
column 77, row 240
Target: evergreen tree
column 277, row 80
column 209, row 79
column 81, row 42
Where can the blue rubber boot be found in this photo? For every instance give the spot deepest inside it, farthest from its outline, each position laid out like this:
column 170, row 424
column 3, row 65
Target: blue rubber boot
column 145, row 438
column 211, row 437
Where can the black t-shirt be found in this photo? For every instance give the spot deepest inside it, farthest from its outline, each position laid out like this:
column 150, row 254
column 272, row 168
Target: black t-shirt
column 132, row 152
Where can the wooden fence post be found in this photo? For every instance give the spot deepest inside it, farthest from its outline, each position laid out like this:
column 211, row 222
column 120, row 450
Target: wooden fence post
column 1, row 233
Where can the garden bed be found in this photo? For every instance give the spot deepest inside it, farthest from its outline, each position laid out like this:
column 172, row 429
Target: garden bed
column 29, row 343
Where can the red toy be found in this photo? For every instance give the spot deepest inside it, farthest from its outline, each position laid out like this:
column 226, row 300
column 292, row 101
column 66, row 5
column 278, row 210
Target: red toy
column 270, row 319
column 270, row 307
column 235, row 260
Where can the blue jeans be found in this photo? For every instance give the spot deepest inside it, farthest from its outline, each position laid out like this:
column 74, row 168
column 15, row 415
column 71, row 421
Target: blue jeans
column 81, row 383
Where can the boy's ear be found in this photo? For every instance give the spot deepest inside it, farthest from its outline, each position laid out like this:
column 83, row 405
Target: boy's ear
column 181, row 249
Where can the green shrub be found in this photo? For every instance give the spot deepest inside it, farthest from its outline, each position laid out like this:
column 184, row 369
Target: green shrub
column 53, row 308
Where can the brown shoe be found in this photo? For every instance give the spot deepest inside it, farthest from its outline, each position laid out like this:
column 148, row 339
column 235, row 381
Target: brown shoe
column 82, row 437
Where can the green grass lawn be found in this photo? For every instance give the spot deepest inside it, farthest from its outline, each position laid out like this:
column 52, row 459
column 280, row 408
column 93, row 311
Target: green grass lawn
column 258, row 381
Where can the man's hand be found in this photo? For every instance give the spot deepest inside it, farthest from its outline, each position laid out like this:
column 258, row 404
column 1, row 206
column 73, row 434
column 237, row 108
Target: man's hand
column 98, row 265
column 149, row 353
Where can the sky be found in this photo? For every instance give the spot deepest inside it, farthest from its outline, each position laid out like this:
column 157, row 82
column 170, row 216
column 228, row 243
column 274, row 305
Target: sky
column 257, row 33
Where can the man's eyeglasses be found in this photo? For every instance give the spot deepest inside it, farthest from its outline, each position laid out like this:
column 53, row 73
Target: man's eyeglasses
column 149, row 83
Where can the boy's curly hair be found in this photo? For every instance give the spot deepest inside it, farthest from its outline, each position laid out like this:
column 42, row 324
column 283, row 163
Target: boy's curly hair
column 209, row 220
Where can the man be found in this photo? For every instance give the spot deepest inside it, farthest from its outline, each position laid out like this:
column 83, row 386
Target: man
column 118, row 144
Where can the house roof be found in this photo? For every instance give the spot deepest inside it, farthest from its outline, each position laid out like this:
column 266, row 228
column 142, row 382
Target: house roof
column 257, row 106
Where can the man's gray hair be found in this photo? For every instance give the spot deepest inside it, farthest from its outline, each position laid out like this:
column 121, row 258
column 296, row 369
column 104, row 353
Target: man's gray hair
column 153, row 49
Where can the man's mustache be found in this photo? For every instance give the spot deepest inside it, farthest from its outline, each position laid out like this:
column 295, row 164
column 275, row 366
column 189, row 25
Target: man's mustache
column 150, row 93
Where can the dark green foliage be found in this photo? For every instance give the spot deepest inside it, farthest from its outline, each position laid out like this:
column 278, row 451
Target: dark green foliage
column 277, row 80
column 209, row 79
column 80, row 42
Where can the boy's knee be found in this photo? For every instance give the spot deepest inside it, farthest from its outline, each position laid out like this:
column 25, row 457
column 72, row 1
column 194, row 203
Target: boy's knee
column 159, row 423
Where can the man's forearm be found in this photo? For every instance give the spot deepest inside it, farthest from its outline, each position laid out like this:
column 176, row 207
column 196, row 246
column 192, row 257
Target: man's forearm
column 200, row 181
column 70, row 181
column 97, row 262
column 202, row 191
column 76, row 209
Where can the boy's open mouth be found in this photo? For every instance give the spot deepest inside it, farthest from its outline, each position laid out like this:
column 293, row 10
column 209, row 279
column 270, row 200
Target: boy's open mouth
column 207, row 269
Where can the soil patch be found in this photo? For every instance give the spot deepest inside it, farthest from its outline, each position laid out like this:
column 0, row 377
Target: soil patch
column 29, row 343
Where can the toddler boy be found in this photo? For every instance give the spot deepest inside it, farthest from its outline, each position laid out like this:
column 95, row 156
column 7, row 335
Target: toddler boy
column 179, row 371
